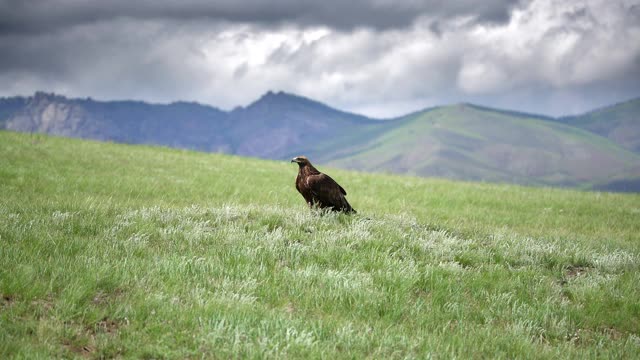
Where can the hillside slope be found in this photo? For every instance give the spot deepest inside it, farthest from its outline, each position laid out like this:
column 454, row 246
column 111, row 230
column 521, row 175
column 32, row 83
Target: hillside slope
column 181, row 125
column 281, row 126
column 472, row 143
column 118, row 251
column 276, row 126
column 463, row 141
column 620, row 123
column 9, row 107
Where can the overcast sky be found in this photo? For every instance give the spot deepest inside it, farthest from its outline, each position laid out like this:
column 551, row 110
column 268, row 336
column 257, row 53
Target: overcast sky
column 379, row 57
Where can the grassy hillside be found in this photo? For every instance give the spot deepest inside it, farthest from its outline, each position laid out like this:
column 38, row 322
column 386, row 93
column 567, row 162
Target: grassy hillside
column 464, row 142
column 619, row 122
column 112, row 250
column 468, row 142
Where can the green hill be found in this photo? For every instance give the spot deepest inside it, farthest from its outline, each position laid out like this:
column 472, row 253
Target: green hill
column 619, row 122
column 473, row 143
column 463, row 141
column 124, row 251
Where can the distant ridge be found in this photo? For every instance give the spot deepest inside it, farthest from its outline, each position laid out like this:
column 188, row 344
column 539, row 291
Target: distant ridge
column 597, row 150
column 512, row 112
column 619, row 122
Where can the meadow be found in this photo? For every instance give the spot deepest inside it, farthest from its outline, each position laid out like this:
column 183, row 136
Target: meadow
column 117, row 251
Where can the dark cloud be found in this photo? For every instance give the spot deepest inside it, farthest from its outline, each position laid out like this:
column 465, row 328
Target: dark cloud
column 34, row 16
column 382, row 56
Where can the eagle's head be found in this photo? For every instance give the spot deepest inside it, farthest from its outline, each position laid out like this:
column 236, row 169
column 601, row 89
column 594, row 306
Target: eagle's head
column 301, row 160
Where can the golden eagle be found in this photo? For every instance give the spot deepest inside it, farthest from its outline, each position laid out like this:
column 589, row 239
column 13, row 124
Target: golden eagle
column 320, row 189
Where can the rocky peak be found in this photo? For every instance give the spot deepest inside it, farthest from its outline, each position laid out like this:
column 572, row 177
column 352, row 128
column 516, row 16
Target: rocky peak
column 41, row 96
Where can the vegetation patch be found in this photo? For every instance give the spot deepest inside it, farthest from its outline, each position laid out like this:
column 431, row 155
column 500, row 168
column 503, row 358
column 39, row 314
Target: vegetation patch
column 157, row 260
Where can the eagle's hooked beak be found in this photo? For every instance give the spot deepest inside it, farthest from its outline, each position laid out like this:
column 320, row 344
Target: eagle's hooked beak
column 295, row 160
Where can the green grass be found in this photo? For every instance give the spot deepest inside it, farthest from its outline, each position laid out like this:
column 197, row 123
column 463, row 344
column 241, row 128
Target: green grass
column 140, row 252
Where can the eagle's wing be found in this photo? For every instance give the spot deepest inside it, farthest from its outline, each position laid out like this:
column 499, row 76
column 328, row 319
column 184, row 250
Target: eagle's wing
column 327, row 191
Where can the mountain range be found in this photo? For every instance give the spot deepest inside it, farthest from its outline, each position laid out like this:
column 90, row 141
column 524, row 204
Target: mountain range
column 597, row 150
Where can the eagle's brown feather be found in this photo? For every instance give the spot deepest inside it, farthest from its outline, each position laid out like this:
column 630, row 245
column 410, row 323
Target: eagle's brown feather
column 320, row 189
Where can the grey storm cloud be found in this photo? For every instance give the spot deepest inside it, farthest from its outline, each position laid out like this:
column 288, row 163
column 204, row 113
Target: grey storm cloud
column 380, row 57
column 25, row 16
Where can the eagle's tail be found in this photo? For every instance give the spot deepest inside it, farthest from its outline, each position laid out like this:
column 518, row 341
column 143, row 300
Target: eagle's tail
column 346, row 207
